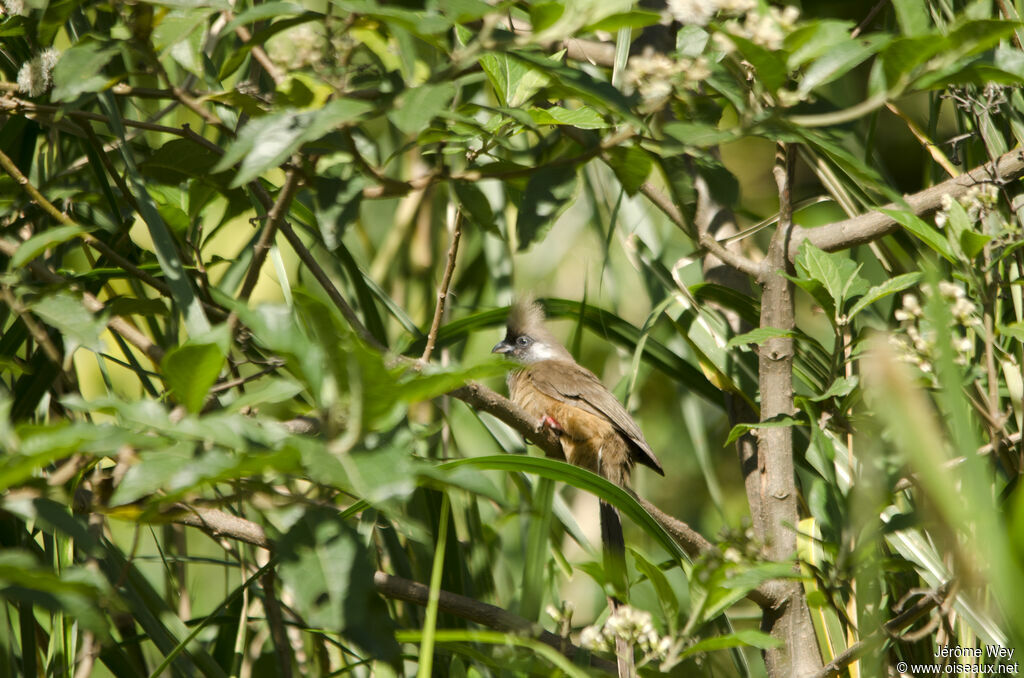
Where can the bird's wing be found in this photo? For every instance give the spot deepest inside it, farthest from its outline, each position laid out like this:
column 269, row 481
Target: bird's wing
column 578, row 386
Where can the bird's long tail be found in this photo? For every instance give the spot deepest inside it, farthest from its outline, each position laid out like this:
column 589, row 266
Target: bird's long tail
column 615, row 568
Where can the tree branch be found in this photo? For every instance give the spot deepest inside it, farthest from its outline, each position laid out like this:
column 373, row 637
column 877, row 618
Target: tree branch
column 442, row 293
column 220, row 524
column 790, row 621
column 873, row 225
column 274, row 218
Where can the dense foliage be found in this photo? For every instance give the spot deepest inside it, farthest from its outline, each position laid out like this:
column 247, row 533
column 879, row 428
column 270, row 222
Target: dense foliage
column 253, row 253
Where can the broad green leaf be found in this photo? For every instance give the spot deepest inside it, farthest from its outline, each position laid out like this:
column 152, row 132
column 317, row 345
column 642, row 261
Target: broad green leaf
column 419, row 105
column 912, row 16
column 190, row 370
column 836, row 272
column 972, row 242
column 78, row 326
column 815, row 38
column 80, row 70
column 839, row 60
column 548, row 194
column 514, row 82
column 697, row 134
column 583, row 117
column 666, row 596
column 770, row 67
column 840, row 388
column 40, row 242
column 327, row 569
column 631, row 165
column 891, row 286
column 474, row 204
column 268, row 141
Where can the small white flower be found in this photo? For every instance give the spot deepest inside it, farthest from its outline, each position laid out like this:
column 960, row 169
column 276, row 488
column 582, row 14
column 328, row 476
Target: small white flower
column 963, row 344
column 592, row 638
column 950, row 290
column 36, row 74
column 946, row 201
column 697, row 12
column 736, row 6
column 14, row 7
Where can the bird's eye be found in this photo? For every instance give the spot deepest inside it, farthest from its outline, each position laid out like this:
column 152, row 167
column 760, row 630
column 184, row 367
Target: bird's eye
column 523, row 341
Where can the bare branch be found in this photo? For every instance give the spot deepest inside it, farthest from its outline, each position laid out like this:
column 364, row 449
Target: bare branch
column 220, row 524
column 274, row 217
column 873, row 225
column 442, row 293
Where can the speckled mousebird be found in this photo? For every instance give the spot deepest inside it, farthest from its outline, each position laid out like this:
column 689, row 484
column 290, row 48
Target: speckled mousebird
column 595, row 430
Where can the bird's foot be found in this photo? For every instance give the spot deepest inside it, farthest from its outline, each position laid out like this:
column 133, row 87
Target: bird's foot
column 549, row 422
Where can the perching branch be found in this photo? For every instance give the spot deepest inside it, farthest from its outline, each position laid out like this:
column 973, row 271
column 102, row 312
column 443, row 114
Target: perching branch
column 220, row 524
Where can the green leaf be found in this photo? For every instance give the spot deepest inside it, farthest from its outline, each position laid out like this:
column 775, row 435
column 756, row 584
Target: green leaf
column 813, row 39
column 745, row 638
column 912, row 16
column 191, row 369
column 419, row 105
column 758, row 336
column 838, row 61
column 583, row 117
column 781, row 421
column 1015, row 330
column 631, row 165
column 840, row 388
column 268, row 141
column 582, row 479
column 327, row 568
column 66, row 313
column 666, row 595
column 514, row 82
column 837, row 272
column 770, row 66
column 475, row 204
column 698, row 134
column 40, row 242
column 80, row 70
column 637, row 18
column 548, row 194
column 891, row 286
column 924, row 232
column 595, row 92
column 972, row 242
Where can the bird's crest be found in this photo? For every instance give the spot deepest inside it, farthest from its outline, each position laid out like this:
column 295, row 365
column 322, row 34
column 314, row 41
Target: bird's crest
column 526, row 316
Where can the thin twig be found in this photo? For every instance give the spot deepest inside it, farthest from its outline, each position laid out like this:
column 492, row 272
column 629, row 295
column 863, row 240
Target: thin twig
column 727, row 256
column 442, row 293
column 889, row 628
column 274, row 218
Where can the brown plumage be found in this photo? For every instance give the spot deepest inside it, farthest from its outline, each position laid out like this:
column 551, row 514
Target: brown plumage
column 596, row 431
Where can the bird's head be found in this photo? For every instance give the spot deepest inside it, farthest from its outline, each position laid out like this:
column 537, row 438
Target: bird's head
column 526, row 339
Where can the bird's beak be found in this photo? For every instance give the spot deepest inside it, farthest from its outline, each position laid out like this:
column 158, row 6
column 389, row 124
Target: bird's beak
column 502, row 347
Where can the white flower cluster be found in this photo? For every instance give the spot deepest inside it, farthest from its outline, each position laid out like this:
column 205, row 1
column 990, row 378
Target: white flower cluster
column 917, row 344
column 767, row 30
column 14, row 7
column 700, row 12
column 656, row 76
column 36, row 74
column 632, row 625
column 979, row 201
